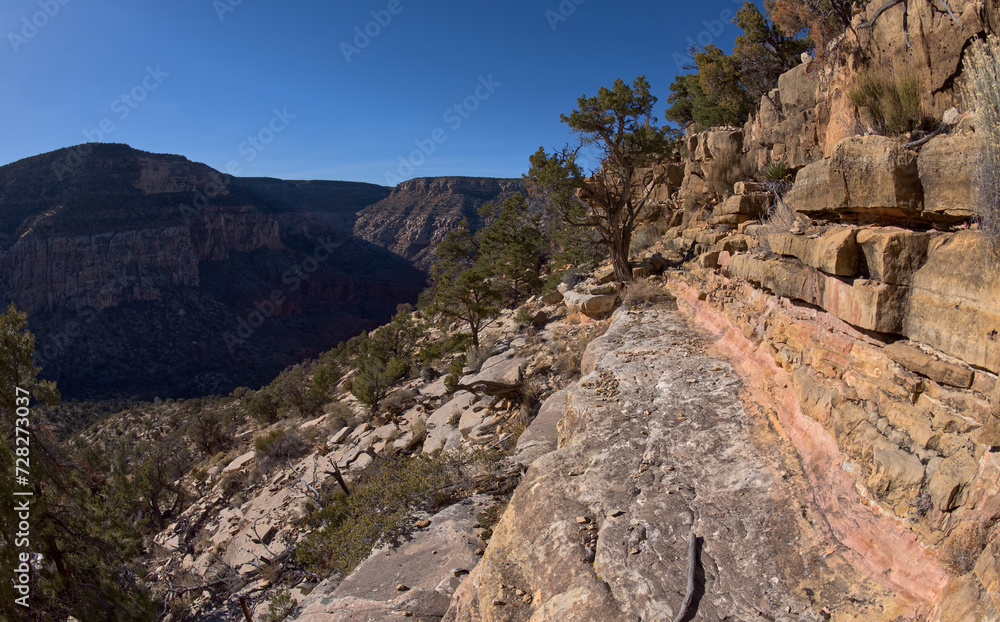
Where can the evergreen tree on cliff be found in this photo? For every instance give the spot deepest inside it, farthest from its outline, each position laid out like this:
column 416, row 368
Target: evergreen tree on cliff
column 77, row 541
column 618, row 129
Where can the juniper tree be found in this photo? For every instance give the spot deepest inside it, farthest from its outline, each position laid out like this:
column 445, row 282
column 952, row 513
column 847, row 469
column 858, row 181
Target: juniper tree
column 618, row 129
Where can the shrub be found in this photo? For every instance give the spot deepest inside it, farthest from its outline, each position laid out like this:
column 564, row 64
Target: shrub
column 982, row 93
column 489, row 518
column 775, row 171
column 643, row 293
column 728, row 166
column 523, row 316
column 278, row 446
column 645, row 236
column 892, row 103
column 964, row 547
column 377, row 511
column 280, row 605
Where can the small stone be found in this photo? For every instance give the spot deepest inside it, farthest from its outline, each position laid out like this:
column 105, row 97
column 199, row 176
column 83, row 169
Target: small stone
column 582, row 519
column 434, row 552
column 422, row 523
column 480, row 551
column 498, row 602
column 616, row 514
column 519, row 592
column 401, row 588
column 633, row 552
column 456, row 572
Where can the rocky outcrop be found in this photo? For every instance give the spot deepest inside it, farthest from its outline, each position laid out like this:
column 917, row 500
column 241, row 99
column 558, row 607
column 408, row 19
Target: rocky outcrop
column 412, row 220
column 653, row 444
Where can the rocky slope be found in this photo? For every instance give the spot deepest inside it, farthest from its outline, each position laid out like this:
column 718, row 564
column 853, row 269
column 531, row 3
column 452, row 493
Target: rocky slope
column 417, row 215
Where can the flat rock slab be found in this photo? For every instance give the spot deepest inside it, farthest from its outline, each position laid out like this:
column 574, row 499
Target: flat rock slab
column 423, row 563
column 655, row 444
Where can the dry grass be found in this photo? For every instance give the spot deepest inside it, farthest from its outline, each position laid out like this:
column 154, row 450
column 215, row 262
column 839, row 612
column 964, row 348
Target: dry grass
column 643, row 293
column 982, row 94
column 728, row 166
column 644, row 237
column 890, row 104
column 963, row 548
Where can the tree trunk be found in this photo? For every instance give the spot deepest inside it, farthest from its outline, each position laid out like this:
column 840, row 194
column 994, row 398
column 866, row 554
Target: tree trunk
column 619, row 258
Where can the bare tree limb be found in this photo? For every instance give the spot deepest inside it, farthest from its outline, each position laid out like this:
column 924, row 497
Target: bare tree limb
column 918, row 143
column 692, row 564
column 309, row 488
column 882, row 9
column 951, row 13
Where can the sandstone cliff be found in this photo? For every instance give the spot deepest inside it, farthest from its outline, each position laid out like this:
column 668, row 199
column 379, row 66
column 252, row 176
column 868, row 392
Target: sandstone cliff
column 416, row 216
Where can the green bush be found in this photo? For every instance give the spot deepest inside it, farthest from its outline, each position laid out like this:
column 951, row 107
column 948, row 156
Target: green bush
column 377, row 511
column 982, row 94
column 775, row 171
column 280, row 605
column 892, row 102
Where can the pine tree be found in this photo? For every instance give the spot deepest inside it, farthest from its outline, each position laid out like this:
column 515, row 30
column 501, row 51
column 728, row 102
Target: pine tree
column 80, row 541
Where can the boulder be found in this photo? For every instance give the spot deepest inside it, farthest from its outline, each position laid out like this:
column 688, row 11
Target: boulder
column 947, row 165
column 753, row 205
column 810, row 194
column 552, row 298
column 954, row 301
column 834, row 252
column 891, row 254
column 873, row 176
column 594, row 306
column 504, row 368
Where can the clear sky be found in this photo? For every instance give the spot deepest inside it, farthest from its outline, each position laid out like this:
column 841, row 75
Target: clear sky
column 314, row 89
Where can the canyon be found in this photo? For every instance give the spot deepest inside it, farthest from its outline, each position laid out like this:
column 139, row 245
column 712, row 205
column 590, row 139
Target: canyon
column 150, row 275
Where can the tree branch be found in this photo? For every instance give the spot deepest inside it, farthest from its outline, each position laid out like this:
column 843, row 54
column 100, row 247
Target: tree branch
column 882, row 9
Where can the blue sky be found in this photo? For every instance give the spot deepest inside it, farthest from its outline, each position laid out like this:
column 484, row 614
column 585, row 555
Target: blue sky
column 292, row 90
